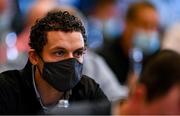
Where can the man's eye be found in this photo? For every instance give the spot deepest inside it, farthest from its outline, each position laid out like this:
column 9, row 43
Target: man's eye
column 59, row 53
column 78, row 54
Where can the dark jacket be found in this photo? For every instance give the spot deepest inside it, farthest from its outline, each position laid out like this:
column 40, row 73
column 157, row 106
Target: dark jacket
column 118, row 60
column 17, row 94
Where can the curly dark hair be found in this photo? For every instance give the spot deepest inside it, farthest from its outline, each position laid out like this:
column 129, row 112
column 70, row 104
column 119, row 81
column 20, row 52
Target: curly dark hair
column 55, row 20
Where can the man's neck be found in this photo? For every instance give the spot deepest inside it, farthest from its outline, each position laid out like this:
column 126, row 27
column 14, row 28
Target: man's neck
column 129, row 108
column 125, row 43
column 48, row 94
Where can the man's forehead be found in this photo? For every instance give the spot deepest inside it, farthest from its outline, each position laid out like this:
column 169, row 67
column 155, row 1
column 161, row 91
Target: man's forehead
column 63, row 35
column 67, row 40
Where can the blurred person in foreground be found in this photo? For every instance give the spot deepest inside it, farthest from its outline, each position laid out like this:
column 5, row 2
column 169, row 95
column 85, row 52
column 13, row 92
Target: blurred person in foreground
column 54, row 70
column 140, row 33
column 158, row 88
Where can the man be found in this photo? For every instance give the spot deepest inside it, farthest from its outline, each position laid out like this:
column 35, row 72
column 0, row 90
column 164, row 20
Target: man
column 54, row 69
column 93, row 64
column 158, row 88
column 141, row 28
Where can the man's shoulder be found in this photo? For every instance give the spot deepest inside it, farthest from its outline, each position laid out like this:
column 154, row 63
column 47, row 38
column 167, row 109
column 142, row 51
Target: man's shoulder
column 86, row 81
column 9, row 78
column 86, row 84
column 9, row 74
column 88, row 89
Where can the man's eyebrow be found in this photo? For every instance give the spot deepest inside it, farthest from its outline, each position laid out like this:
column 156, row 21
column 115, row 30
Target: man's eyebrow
column 79, row 49
column 58, row 48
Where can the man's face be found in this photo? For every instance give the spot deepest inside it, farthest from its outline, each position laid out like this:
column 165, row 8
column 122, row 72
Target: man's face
column 168, row 104
column 147, row 20
column 63, row 45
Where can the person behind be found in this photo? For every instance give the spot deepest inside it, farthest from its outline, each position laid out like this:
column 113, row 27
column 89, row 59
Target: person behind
column 37, row 10
column 98, row 13
column 141, row 31
column 95, row 67
column 53, row 72
column 5, row 27
column 158, row 88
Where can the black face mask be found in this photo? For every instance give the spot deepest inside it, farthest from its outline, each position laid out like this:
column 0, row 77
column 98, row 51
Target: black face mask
column 62, row 75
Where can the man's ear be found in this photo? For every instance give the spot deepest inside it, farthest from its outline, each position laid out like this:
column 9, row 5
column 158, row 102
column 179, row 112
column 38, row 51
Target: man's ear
column 140, row 93
column 33, row 57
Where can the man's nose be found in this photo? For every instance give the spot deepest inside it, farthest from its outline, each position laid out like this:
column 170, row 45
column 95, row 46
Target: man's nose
column 70, row 55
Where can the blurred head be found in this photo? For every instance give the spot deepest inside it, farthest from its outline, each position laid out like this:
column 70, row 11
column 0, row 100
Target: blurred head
column 101, row 9
column 57, row 36
column 158, row 88
column 38, row 10
column 105, row 9
column 141, row 18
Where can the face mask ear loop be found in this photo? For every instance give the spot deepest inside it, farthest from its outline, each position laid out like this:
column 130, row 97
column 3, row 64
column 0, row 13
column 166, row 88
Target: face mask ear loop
column 37, row 66
column 40, row 57
column 33, row 70
column 39, row 71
